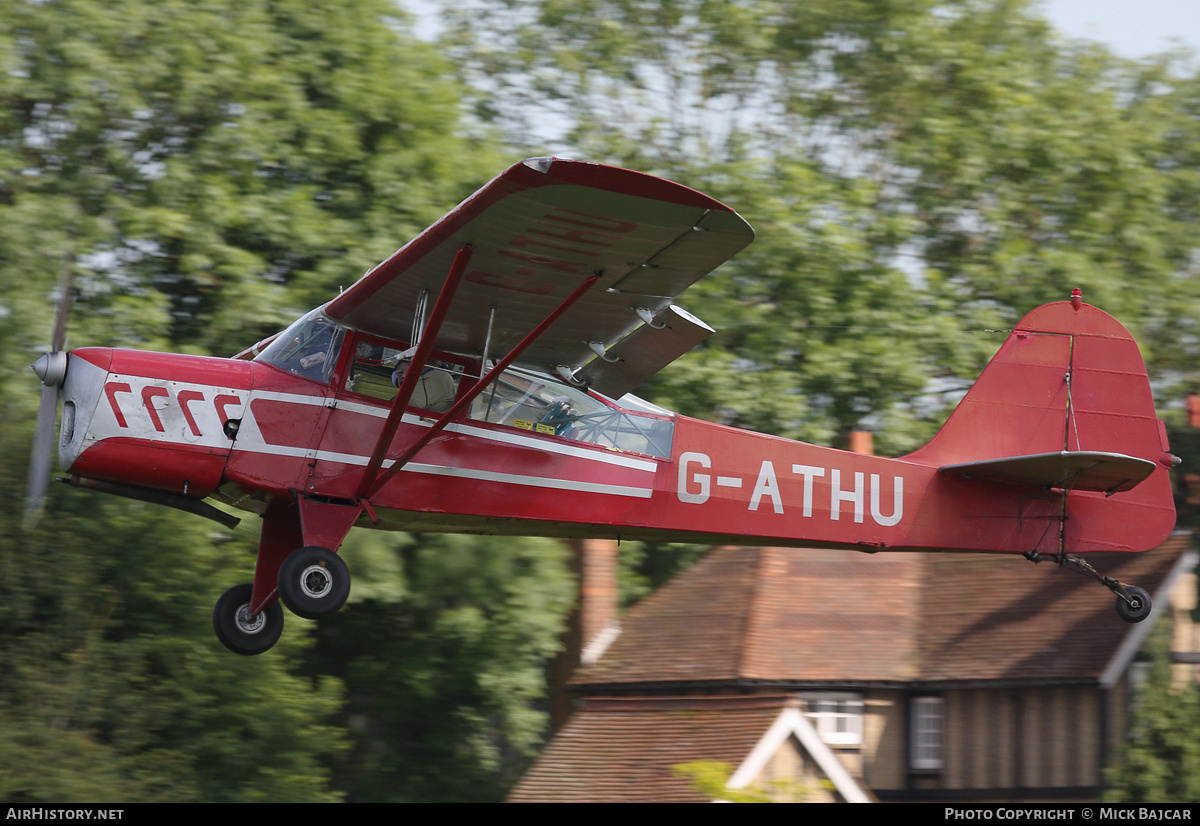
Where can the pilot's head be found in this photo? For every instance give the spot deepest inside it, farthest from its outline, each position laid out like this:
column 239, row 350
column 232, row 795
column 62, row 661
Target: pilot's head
column 401, row 370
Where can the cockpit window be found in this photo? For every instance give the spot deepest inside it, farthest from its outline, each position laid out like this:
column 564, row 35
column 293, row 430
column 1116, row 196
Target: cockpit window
column 308, row 348
column 378, row 369
column 536, row 402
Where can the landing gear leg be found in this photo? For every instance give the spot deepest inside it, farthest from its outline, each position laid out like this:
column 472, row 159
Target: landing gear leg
column 1133, row 603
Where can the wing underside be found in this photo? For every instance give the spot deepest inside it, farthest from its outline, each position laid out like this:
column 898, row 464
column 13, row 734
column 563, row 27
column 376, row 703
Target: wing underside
column 535, row 233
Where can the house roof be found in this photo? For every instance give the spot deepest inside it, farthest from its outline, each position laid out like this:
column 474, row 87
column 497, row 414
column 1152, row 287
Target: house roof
column 793, row 616
column 624, row 750
column 1003, row 622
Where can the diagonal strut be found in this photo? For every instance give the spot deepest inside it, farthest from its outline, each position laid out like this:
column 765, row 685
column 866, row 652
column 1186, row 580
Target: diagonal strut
column 372, row 485
column 419, row 358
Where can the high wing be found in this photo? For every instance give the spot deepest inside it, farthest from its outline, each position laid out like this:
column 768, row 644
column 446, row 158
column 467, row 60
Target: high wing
column 535, row 233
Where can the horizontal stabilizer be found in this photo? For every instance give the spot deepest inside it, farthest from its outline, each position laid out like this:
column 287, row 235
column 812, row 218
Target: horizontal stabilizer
column 1068, row 469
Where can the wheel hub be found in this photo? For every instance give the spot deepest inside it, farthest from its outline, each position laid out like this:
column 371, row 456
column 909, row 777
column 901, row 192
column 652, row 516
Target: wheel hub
column 250, row 623
column 316, row 581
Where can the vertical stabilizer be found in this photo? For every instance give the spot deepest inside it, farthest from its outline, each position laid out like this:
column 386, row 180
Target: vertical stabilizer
column 1069, row 378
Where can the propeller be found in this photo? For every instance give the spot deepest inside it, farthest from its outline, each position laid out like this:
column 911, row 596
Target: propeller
column 51, row 368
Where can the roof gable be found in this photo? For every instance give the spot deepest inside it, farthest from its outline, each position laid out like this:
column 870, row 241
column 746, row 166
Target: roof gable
column 627, row 749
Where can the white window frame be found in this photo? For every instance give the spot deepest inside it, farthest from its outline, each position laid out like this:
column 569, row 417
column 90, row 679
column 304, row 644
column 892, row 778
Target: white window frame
column 837, row 716
column 926, row 733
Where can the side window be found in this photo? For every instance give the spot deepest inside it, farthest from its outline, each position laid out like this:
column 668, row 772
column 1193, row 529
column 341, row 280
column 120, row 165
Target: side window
column 525, row 402
column 926, row 733
column 535, row 402
column 376, row 370
column 370, row 372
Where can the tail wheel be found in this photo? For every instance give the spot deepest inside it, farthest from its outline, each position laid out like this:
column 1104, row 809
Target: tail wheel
column 1134, row 604
column 239, row 630
column 314, row 582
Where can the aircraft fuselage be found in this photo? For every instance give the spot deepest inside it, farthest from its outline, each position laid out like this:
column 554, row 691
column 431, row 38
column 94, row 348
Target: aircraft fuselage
column 250, row 434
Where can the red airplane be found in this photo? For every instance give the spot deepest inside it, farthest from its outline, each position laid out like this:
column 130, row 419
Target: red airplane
column 478, row 380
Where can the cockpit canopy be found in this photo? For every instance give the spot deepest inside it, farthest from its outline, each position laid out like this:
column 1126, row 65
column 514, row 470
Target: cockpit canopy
column 520, row 398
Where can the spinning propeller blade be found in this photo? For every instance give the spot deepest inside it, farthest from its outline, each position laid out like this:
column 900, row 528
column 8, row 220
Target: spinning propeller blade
column 40, row 459
column 51, row 369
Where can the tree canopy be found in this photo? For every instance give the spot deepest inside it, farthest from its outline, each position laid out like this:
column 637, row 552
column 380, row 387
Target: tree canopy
column 918, row 172
column 207, row 172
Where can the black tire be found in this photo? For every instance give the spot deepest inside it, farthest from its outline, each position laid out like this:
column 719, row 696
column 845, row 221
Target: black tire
column 314, row 582
column 1137, row 607
column 238, row 631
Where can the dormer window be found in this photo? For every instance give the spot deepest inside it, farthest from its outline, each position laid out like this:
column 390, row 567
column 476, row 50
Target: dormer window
column 837, row 716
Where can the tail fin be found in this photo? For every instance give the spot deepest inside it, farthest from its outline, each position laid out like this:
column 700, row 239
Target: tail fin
column 1069, row 380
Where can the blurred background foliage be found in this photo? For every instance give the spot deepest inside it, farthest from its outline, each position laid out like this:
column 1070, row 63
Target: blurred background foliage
column 919, row 174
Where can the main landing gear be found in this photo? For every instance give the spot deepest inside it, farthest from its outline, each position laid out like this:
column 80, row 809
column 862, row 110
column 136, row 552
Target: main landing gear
column 1133, row 603
column 313, row 582
column 239, row 630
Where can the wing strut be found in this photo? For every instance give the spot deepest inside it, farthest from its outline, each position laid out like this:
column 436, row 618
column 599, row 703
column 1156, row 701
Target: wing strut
column 420, row 356
column 371, row 485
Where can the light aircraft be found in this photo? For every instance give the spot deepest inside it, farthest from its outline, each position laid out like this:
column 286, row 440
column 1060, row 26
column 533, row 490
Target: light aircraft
column 478, row 381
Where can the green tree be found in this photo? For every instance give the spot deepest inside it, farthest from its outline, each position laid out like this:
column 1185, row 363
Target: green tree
column 444, row 666
column 1160, row 763
column 207, row 171
column 918, row 172
column 224, row 166
column 113, row 686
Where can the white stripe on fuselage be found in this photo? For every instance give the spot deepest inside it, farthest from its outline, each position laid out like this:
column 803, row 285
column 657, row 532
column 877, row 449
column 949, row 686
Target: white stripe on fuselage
column 505, row 437
column 530, row 481
column 250, row 440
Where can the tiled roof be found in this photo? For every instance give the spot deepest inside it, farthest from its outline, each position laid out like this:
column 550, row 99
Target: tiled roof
column 782, row 615
column 867, row 601
column 691, row 629
column 987, row 618
column 624, row 750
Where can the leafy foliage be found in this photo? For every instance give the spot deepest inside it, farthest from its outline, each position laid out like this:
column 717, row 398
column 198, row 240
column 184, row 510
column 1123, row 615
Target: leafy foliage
column 206, row 172
column 202, row 157
column 918, row 172
column 1161, row 761
column 444, row 679
column 113, row 688
column 709, row 777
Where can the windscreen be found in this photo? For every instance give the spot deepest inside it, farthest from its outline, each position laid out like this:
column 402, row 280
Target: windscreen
column 308, row 348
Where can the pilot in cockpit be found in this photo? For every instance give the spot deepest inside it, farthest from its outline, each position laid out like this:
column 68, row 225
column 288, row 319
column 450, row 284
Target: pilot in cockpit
column 435, row 389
